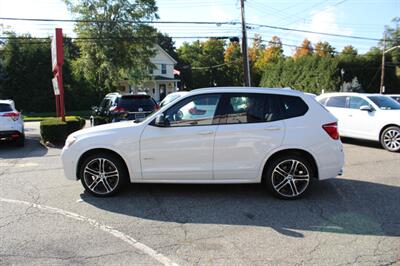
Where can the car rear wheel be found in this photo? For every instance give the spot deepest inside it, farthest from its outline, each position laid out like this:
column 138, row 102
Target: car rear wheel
column 289, row 177
column 103, row 174
column 390, row 139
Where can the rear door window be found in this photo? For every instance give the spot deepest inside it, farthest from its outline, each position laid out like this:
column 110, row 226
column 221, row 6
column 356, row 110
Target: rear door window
column 242, row 108
column 336, row 101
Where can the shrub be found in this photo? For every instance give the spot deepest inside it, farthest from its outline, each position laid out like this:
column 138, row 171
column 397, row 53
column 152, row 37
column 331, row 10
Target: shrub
column 55, row 130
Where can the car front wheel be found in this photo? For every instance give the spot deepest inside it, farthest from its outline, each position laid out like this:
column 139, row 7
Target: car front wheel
column 289, row 177
column 390, row 139
column 103, row 174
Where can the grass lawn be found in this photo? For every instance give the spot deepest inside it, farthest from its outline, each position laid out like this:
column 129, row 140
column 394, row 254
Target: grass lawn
column 40, row 116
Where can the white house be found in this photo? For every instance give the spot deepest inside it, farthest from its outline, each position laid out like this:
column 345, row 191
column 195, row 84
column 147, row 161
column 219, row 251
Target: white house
column 161, row 80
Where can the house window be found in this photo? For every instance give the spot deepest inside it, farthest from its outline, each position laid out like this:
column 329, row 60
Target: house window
column 163, row 69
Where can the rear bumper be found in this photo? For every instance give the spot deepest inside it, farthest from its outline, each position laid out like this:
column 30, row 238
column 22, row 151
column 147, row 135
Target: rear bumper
column 330, row 160
column 10, row 135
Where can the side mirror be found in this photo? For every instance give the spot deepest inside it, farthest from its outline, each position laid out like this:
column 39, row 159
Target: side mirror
column 366, row 108
column 161, row 121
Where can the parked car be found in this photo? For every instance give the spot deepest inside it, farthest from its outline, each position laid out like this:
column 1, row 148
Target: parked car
column 117, row 107
column 394, row 96
column 282, row 138
column 11, row 123
column 366, row 116
column 172, row 97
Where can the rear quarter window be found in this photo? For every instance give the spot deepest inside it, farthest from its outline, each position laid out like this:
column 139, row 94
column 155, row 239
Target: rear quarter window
column 5, row 107
column 292, row 106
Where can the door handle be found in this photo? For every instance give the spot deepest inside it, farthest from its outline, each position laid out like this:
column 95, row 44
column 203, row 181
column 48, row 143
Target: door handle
column 272, row 128
column 204, row 133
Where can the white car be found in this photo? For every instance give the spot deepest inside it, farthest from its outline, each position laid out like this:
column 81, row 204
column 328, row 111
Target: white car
column 11, row 123
column 284, row 139
column 373, row 117
column 394, row 96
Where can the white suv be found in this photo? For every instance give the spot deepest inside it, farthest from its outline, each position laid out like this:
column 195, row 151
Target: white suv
column 11, row 123
column 282, row 138
column 373, row 117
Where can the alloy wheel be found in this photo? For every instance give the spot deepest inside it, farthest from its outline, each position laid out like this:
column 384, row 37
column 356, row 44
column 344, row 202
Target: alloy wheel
column 290, row 178
column 101, row 176
column 391, row 139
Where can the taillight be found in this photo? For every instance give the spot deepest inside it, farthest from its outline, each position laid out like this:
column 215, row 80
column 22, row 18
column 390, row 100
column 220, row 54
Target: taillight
column 13, row 115
column 157, row 106
column 332, row 130
column 117, row 109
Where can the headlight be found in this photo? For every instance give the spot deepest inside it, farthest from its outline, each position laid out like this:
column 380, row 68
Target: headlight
column 70, row 141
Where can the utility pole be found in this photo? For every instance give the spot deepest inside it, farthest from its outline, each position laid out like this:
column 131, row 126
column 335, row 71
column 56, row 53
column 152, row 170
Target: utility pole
column 382, row 87
column 246, row 65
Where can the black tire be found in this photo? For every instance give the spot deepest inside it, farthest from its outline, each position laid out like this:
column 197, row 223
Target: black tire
column 100, row 185
column 20, row 142
column 390, row 139
column 281, row 186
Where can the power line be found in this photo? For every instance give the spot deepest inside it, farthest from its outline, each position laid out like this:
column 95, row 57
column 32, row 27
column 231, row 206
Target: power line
column 314, row 32
column 194, row 22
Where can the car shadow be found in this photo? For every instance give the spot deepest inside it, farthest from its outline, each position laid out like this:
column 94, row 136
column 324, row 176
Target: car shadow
column 340, row 206
column 32, row 148
column 360, row 142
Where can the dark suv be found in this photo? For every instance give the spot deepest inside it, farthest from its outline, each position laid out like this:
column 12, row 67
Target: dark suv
column 117, row 107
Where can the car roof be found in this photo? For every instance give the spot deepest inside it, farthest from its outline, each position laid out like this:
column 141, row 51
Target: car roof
column 351, row 94
column 7, row 101
column 283, row 91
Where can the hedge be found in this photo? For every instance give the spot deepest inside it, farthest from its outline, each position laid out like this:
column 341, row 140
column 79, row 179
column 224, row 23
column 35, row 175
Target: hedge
column 55, row 130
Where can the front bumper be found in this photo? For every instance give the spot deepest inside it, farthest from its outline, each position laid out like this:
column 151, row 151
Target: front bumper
column 69, row 164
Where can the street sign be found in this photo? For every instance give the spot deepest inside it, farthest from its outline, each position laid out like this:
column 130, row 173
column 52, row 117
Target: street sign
column 57, row 61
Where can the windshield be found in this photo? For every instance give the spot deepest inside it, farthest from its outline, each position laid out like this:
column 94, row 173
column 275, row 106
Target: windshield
column 385, row 103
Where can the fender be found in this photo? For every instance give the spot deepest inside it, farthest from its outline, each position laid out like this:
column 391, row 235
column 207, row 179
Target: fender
column 282, row 148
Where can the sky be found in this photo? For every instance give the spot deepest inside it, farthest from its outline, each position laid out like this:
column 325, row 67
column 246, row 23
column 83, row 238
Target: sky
column 366, row 18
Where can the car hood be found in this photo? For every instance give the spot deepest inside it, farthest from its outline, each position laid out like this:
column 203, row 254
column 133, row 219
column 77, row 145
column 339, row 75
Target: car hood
column 105, row 129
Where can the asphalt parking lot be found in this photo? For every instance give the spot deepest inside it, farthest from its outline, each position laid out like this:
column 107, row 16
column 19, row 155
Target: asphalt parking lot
column 46, row 219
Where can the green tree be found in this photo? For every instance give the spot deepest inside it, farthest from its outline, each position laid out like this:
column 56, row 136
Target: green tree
column 324, row 49
column 166, row 42
column 348, row 51
column 234, row 64
column 113, row 46
column 272, row 53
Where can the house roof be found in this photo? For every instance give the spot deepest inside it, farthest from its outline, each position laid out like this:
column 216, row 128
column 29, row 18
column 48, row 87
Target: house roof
column 164, row 52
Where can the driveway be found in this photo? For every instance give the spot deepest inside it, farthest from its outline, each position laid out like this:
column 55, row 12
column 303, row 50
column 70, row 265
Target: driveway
column 46, row 219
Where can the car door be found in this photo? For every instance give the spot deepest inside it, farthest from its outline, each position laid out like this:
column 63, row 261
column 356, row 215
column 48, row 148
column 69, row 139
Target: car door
column 362, row 123
column 183, row 149
column 249, row 128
